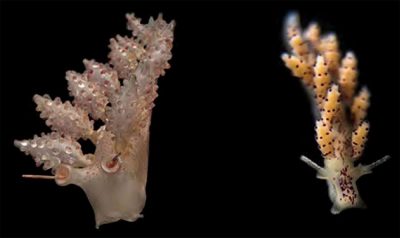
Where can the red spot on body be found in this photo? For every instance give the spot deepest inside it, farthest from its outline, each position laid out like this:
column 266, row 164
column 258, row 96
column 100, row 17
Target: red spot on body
column 110, row 164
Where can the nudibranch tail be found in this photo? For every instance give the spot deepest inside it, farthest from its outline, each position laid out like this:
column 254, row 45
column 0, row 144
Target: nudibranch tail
column 120, row 94
column 339, row 111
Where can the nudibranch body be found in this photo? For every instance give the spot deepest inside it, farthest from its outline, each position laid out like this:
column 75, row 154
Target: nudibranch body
column 114, row 177
column 341, row 129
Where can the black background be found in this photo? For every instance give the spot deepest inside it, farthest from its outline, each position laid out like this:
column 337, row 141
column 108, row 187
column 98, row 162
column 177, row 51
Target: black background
column 228, row 127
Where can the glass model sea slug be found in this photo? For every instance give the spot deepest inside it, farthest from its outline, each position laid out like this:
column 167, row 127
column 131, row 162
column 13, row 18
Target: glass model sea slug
column 341, row 129
column 114, row 177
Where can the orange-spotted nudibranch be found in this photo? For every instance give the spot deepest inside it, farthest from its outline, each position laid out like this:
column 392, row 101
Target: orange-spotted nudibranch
column 120, row 95
column 341, row 129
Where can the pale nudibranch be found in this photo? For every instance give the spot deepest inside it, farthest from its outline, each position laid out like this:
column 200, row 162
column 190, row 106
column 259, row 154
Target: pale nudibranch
column 120, row 95
column 341, row 129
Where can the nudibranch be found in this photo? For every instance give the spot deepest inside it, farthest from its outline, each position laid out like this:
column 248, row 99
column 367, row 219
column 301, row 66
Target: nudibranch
column 341, row 129
column 120, row 95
